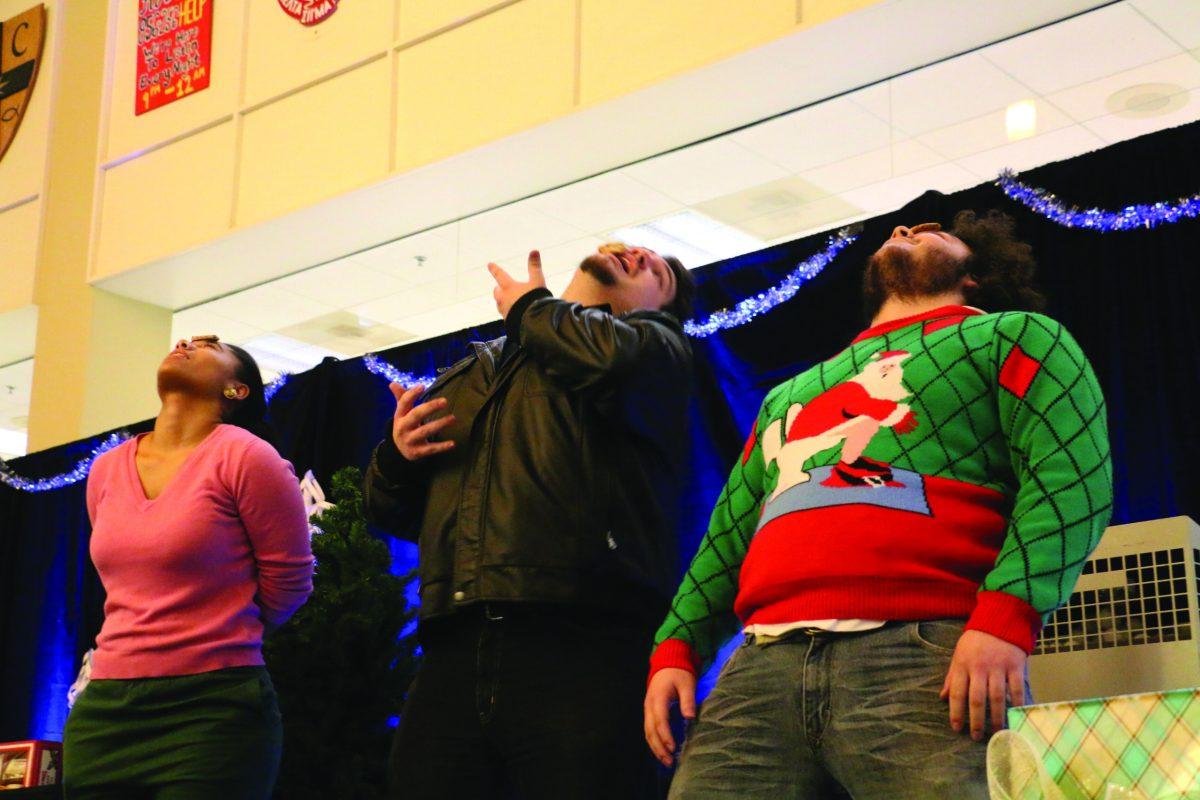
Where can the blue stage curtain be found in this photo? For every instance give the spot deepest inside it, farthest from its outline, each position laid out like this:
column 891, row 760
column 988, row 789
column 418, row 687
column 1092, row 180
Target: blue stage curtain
column 1129, row 298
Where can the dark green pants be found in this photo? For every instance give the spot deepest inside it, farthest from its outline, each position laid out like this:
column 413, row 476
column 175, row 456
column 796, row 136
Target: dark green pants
column 216, row 736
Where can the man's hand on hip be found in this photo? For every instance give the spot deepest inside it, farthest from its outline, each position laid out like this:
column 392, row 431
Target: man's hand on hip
column 985, row 671
column 666, row 687
column 509, row 290
column 410, row 431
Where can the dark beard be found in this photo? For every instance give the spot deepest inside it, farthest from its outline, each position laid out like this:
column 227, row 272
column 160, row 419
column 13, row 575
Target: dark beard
column 895, row 272
column 598, row 266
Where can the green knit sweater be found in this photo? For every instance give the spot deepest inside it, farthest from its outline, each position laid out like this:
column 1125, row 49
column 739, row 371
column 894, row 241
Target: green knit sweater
column 951, row 464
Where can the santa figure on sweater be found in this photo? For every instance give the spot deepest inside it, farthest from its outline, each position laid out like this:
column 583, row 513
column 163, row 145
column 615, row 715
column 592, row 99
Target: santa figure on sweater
column 850, row 414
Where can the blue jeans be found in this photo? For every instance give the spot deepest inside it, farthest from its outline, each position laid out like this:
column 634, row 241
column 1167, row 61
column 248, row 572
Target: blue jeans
column 816, row 715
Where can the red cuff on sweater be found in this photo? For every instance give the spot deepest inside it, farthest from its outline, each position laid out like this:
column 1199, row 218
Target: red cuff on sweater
column 676, row 654
column 1007, row 617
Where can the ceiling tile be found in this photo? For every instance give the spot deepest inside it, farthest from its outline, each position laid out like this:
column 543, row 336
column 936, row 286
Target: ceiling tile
column 1029, row 153
column 518, row 227
column 270, row 307
column 891, row 194
column 953, row 91
column 791, row 223
column 822, row 134
column 704, row 171
column 1179, row 19
column 1082, row 49
column 875, row 99
column 346, row 333
column 447, row 320
column 1118, row 127
column 912, row 156
column 415, row 259
column 759, row 200
column 603, row 202
column 340, row 283
column 870, row 167
column 201, row 320
column 484, row 308
column 1134, row 87
column 427, row 297
column 472, row 283
column 988, row 132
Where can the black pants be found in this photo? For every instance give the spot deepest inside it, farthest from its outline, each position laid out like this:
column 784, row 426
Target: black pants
column 527, row 702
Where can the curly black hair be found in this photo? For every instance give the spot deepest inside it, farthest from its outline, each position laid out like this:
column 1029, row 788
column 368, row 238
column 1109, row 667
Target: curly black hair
column 1000, row 263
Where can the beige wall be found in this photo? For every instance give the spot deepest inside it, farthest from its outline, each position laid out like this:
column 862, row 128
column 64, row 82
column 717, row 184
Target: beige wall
column 298, row 115
column 294, row 115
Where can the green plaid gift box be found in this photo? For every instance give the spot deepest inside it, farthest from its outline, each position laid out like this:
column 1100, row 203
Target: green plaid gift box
column 1149, row 743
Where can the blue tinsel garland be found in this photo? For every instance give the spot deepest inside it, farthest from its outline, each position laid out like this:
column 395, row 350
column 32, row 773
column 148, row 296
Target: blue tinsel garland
column 1141, row 215
column 78, row 473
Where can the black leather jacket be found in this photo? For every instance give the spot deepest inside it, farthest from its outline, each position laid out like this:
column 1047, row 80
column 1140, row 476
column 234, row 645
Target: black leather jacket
column 564, row 483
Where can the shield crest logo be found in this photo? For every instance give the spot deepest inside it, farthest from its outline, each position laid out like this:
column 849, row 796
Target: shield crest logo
column 21, row 40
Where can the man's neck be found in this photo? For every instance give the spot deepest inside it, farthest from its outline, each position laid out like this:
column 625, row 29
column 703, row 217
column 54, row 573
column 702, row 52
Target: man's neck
column 895, row 308
column 588, row 292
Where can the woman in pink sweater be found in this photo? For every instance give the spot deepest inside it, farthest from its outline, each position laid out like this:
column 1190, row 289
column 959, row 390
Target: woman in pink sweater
column 201, row 541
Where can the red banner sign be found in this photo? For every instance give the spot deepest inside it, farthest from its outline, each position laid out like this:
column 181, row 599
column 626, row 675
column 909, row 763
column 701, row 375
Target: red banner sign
column 174, row 57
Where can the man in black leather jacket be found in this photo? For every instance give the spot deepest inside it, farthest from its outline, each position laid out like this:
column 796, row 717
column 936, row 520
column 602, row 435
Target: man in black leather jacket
column 540, row 478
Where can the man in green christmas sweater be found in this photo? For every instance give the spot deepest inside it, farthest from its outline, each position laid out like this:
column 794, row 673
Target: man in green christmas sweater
column 903, row 517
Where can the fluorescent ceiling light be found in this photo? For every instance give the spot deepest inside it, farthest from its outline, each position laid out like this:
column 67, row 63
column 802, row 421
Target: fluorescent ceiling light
column 12, row 443
column 690, row 236
column 280, row 354
column 1020, row 120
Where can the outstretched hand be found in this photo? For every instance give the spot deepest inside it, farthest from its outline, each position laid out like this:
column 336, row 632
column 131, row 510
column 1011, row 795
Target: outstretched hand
column 509, row 290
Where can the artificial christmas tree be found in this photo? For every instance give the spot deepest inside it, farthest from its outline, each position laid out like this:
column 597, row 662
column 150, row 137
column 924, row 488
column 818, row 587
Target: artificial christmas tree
column 341, row 665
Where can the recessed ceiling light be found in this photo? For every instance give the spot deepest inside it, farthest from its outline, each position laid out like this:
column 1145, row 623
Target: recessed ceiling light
column 1020, row 120
column 1146, row 100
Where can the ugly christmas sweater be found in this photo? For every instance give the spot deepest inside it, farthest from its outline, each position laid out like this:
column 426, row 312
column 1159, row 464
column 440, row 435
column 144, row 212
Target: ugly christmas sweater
column 949, row 464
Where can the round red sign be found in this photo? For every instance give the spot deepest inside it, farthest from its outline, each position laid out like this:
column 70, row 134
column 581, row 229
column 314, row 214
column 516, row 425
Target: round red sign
column 309, row 12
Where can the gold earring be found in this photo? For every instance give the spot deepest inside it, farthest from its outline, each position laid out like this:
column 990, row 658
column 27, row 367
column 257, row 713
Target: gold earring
column 230, row 392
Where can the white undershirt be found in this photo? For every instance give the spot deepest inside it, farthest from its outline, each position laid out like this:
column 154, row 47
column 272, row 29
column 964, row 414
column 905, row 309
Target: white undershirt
column 831, row 625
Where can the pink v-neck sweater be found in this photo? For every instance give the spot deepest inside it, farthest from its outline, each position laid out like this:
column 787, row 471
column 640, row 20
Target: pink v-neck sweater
column 193, row 574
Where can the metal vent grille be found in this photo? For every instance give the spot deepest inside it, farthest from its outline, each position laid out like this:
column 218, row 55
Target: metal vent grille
column 1145, row 602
